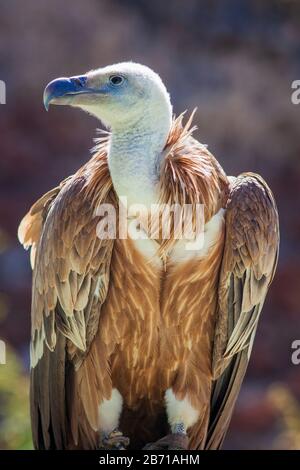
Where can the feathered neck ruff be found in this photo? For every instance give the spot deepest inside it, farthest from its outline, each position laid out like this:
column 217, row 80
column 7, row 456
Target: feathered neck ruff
column 189, row 173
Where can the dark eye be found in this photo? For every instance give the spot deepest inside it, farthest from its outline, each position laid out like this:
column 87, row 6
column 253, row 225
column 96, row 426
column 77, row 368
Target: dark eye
column 116, row 80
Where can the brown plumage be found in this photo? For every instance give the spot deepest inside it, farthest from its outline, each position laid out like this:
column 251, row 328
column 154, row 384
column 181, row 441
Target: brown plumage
column 103, row 317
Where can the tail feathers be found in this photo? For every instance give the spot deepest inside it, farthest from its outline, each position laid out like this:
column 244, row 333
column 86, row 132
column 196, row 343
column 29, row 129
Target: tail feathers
column 224, row 395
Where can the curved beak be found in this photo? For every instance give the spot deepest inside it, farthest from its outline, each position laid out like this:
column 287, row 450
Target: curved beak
column 59, row 89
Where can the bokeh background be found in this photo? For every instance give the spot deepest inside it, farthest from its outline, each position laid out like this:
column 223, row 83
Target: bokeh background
column 235, row 60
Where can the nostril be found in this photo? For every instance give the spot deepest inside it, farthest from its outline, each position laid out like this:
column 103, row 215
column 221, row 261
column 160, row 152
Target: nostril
column 79, row 81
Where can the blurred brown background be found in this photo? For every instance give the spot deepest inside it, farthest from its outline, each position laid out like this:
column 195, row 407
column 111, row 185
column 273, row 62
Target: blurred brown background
column 235, row 60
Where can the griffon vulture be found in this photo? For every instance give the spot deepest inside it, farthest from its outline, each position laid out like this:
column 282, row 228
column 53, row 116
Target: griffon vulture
column 139, row 341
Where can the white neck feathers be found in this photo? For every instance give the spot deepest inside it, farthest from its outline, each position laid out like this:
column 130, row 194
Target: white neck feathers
column 135, row 155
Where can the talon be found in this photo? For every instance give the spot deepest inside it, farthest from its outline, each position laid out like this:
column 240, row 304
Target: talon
column 115, row 441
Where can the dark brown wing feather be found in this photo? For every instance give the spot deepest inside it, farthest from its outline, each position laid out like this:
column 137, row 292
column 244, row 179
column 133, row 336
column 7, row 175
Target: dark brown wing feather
column 248, row 267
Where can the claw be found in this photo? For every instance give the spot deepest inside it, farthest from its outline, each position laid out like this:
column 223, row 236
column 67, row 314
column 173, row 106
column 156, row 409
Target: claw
column 115, row 441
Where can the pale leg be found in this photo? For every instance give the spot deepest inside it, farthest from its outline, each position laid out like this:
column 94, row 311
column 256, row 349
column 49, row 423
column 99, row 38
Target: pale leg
column 181, row 414
column 109, row 417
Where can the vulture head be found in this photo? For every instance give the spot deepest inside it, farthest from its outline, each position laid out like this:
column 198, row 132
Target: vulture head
column 119, row 95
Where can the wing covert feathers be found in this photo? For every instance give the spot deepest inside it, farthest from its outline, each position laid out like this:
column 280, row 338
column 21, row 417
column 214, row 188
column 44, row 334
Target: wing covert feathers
column 71, row 271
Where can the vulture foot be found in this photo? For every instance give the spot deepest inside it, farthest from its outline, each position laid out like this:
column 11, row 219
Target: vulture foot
column 175, row 441
column 114, row 441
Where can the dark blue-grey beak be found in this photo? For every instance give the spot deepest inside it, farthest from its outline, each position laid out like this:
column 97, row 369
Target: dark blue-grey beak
column 64, row 86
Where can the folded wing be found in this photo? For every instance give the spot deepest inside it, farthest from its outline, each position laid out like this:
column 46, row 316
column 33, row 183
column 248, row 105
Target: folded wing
column 248, row 266
column 71, row 270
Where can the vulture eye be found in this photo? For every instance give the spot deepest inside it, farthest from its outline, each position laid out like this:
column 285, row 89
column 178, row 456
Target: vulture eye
column 116, row 80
